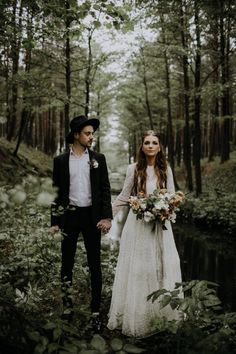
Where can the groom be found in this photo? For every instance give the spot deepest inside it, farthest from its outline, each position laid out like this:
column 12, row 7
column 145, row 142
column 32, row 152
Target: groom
column 83, row 204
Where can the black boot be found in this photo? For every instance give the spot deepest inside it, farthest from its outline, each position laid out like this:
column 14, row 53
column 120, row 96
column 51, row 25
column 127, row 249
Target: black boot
column 96, row 322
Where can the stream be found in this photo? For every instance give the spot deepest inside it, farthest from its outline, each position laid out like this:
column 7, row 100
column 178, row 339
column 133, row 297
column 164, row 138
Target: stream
column 211, row 256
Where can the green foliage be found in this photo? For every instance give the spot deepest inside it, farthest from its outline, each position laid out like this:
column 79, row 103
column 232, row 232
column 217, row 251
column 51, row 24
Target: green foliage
column 204, row 328
column 30, row 292
column 30, row 288
column 215, row 210
column 27, row 253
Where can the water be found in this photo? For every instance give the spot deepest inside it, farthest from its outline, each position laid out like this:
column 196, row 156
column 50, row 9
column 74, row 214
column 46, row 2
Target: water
column 208, row 256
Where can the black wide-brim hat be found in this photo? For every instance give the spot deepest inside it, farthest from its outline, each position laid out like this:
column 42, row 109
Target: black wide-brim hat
column 78, row 123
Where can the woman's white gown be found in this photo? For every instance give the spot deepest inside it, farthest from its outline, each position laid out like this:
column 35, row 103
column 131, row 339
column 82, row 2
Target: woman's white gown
column 148, row 260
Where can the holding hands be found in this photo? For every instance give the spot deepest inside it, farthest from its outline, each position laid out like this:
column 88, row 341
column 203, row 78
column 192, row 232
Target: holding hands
column 104, row 225
column 54, row 229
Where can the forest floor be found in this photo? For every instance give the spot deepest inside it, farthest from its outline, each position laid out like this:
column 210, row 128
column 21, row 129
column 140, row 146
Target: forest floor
column 214, row 174
column 28, row 161
column 30, row 296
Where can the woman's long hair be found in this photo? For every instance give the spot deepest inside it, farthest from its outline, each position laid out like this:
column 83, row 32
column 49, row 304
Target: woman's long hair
column 160, row 167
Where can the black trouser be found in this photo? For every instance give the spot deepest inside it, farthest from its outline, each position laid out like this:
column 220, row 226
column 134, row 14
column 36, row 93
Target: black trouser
column 79, row 219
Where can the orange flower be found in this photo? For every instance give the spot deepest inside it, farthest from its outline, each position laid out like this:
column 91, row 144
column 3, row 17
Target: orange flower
column 141, row 194
column 135, row 204
column 163, row 191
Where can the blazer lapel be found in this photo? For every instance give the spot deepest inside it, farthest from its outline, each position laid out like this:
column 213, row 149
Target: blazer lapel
column 66, row 171
column 92, row 174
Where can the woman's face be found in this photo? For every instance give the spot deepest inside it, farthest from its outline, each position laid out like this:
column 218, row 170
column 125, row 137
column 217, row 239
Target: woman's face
column 151, row 145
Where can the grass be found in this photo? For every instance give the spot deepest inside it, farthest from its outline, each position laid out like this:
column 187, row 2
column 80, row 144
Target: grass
column 214, row 174
column 29, row 160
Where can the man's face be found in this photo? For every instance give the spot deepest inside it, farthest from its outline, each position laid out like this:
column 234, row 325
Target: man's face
column 85, row 137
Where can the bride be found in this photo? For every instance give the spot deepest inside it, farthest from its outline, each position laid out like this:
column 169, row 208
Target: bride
column 148, row 259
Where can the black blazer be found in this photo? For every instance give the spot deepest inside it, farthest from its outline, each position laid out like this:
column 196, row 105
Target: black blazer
column 100, row 188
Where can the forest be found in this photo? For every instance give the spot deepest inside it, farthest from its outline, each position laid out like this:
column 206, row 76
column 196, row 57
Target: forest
column 165, row 65
column 180, row 82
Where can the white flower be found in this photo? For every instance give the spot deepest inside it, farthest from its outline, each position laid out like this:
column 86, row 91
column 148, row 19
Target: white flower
column 4, row 198
column 18, row 197
column 45, row 199
column 173, row 217
column 157, row 207
column 143, row 205
column 161, row 205
column 93, row 163
column 31, row 179
column 47, row 185
column 147, row 216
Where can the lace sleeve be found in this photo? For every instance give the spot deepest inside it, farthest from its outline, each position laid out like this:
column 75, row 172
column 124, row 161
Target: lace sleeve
column 122, row 199
column 170, row 180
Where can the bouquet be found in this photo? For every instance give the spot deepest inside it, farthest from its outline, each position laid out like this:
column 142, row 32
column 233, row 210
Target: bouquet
column 157, row 207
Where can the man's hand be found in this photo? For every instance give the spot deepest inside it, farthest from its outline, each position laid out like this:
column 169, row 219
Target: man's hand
column 104, row 225
column 54, row 229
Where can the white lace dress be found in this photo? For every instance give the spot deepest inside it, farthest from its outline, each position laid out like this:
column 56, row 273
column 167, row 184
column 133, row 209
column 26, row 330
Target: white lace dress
column 148, row 260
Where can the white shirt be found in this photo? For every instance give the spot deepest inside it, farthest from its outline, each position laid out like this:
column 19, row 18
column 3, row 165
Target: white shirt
column 80, row 186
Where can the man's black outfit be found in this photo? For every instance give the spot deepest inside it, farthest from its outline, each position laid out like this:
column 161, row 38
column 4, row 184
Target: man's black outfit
column 73, row 219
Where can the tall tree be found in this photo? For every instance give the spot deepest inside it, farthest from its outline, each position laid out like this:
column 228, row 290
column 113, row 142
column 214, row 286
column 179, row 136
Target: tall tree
column 187, row 140
column 68, row 21
column 225, row 7
column 26, row 111
column 88, row 71
column 197, row 102
column 146, row 88
column 16, row 25
column 170, row 135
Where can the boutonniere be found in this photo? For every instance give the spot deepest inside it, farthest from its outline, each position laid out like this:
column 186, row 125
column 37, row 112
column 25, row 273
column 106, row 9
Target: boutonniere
column 93, row 163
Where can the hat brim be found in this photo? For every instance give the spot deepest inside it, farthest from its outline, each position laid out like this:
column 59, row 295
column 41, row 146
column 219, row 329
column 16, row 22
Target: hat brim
column 93, row 121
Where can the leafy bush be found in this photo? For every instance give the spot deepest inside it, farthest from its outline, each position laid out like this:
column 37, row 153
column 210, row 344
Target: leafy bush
column 214, row 210
column 204, row 327
column 30, row 288
column 30, row 292
column 30, row 258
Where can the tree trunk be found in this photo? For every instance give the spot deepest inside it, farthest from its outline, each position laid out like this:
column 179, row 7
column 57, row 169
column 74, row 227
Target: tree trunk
column 178, row 147
column 225, row 104
column 187, row 141
column 197, row 105
column 8, row 113
column 88, row 74
column 97, row 147
column 149, row 111
column 62, row 131
column 170, row 137
column 30, row 133
column 68, row 69
column 53, row 131
column 25, row 115
column 16, row 42
column 214, row 138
